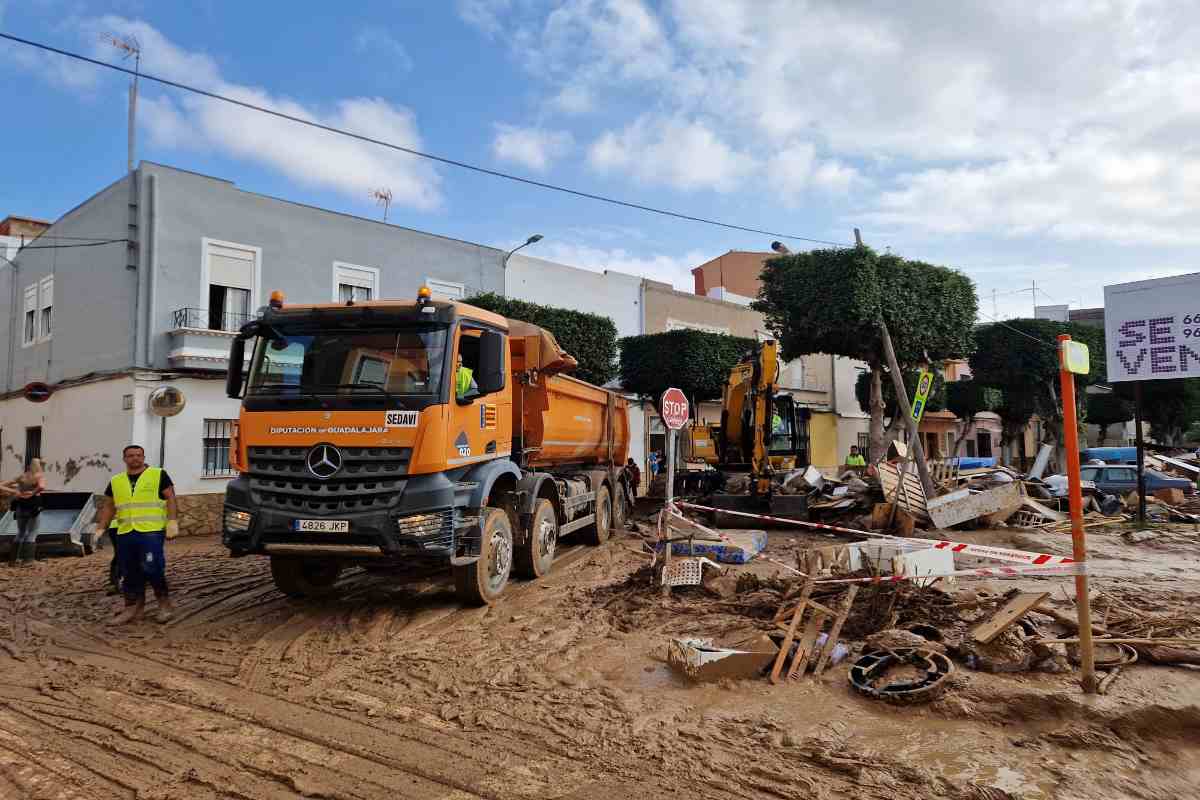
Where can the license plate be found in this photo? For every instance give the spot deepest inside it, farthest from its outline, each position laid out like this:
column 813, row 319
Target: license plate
column 322, row 525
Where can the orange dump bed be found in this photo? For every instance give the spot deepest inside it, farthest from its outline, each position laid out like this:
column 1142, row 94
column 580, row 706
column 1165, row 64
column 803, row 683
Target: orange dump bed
column 563, row 420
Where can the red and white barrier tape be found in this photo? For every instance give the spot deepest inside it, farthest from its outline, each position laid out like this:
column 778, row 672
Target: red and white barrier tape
column 963, row 548
column 676, row 512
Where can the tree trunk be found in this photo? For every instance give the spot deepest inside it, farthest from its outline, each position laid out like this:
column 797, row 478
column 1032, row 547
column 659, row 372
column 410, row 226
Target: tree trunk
column 1103, row 433
column 879, row 443
column 968, row 429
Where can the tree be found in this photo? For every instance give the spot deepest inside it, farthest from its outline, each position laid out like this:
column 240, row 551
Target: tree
column 862, row 392
column 1020, row 358
column 1107, row 409
column 590, row 338
column 968, row 397
column 696, row 362
column 1170, row 406
column 831, row 301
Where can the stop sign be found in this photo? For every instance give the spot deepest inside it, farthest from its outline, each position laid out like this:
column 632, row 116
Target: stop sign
column 674, row 409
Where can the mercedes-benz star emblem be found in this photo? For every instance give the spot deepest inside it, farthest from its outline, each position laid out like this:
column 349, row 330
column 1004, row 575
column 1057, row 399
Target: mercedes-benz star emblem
column 324, row 461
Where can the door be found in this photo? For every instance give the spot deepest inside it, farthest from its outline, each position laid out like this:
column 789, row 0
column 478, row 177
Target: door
column 33, row 444
column 984, row 444
column 480, row 426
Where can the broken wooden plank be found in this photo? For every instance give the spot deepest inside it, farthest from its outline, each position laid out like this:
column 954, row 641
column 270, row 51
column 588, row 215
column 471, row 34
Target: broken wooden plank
column 835, row 631
column 964, row 505
column 790, row 636
column 1013, row 610
column 1044, row 511
column 807, row 643
column 908, row 495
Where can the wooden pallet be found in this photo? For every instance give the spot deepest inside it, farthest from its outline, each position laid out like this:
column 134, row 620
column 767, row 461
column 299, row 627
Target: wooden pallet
column 811, row 631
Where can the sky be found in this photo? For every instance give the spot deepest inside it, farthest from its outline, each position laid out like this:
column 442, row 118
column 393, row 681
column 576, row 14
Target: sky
column 1055, row 144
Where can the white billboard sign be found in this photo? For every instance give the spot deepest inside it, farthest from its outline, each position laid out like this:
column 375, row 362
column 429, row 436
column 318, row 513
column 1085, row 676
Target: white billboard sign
column 1152, row 329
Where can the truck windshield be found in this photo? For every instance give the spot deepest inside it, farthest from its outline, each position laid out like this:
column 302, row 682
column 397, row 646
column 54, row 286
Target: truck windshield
column 350, row 362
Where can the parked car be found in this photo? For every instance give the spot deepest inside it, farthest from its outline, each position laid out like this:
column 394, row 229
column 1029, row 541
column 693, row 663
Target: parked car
column 1112, row 479
column 1109, row 455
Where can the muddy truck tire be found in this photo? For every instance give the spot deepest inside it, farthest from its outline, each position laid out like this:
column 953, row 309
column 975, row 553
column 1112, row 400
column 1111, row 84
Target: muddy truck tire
column 597, row 533
column 534, row 556
column 304, row 577
column 482, row 583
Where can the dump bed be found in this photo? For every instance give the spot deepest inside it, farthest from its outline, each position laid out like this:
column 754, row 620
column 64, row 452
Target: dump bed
column 562, row 420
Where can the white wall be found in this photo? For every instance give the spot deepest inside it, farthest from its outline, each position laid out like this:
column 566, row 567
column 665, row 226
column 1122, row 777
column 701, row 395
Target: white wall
column 609, row 294
column 84, row 429
column 845, row 375
column 185, row 431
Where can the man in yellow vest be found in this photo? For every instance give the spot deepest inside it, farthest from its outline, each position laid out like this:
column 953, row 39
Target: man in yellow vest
column 464, row 380
column 143, row 501
column 855, row 458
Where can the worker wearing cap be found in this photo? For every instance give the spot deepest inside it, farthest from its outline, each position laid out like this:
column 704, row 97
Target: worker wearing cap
column 855, row 458
column 464, row 380
column 142, row 499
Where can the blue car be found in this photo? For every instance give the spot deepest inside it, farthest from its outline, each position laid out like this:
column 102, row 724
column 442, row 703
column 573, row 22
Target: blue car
column 1123, row 479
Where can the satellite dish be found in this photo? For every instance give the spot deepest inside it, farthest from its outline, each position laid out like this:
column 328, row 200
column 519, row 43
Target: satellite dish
column 167, row 401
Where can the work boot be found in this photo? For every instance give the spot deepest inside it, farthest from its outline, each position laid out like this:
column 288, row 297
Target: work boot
column 166, row 609
column 132, row 613
column 28, row 551
column 112, row 590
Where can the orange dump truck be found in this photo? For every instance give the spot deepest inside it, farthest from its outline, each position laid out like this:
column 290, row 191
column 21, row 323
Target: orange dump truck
column 411, row 434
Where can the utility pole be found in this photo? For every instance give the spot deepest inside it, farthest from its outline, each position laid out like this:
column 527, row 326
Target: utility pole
column 130, row 48
column 914, row 436
column 1035, row 299
column 995, row 307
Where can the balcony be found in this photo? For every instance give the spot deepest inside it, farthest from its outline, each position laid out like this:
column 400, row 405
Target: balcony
column 200, row 338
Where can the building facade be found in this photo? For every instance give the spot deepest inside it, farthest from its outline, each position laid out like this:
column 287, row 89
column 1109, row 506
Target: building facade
column 195, row 258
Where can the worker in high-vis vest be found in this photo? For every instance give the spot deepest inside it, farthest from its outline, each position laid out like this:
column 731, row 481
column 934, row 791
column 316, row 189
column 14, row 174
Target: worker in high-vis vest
column 464, row 380
column 142, row 501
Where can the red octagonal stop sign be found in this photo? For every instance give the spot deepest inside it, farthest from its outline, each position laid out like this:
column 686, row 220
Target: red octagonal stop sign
column 674, row 409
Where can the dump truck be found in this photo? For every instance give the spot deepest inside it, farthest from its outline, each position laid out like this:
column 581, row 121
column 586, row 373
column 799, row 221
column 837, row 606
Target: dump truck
column 395, row 435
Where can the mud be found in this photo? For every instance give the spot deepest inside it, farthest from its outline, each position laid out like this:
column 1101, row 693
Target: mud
column 391, row 690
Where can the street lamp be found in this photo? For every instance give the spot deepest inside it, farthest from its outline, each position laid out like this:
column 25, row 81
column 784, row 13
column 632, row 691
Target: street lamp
column 781, row 248
column 537, row 237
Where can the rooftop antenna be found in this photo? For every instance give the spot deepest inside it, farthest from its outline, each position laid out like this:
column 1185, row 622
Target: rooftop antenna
column 130, row 47
column 382, row 197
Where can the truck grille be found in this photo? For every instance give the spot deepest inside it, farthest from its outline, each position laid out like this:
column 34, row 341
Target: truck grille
column 371, row 479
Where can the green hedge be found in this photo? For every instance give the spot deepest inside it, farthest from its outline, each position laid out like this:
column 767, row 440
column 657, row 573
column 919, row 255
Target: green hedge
column 697, row 362
column 590, row 338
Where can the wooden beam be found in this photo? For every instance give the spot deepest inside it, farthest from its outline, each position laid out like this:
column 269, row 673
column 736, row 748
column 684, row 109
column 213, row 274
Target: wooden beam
column 1012, row 611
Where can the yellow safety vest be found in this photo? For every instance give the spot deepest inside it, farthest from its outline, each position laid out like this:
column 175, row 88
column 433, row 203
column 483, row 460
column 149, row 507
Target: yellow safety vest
column 462, row 381
column 855, row 461
column 139, row 509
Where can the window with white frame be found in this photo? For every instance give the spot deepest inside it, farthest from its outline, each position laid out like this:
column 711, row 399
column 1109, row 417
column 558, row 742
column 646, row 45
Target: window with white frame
column 353, row 283
column 446, row 290
column 29, row 332
column 217, row 434
column 46, row 307
column 231, row 275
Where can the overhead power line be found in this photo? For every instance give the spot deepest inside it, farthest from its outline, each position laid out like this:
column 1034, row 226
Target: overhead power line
column 69, row 246
column 418, row 153
column 1004, row 324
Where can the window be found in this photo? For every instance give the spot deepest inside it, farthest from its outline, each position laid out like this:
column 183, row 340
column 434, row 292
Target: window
column 33, row 444
column 446, row 290
column 864, row 443
column 984, row 443
column 46, row 305
column 352, row 283
column 1122, row 475
column 29, row 334
column 216, row 448
column 1089, row 473
column 681, row 325
column 231, row 275
column 970, row 448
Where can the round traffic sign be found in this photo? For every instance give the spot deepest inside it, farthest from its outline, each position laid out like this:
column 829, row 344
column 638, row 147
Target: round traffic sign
column 674, row 408
column 36, row 392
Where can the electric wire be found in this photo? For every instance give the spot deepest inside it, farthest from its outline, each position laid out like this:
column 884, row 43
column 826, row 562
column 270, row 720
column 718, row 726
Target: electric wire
column 418, row 153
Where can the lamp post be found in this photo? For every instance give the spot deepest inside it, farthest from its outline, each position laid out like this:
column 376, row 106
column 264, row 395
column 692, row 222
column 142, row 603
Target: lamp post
column 537, row 237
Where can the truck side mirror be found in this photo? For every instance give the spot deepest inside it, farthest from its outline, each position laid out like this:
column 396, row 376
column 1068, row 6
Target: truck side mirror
column 233, row 379
column 491, row 376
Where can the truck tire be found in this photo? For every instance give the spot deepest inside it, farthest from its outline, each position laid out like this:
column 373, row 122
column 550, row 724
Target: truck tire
column 482, row 583
column 304, row 577
column 597, row 532
column 534, row 557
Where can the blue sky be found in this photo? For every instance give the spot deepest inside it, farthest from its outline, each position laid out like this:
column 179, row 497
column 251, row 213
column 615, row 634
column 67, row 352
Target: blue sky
column 1058, row 145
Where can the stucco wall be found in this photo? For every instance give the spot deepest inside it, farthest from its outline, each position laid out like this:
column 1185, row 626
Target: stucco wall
column 84, row 429
column 610, row 294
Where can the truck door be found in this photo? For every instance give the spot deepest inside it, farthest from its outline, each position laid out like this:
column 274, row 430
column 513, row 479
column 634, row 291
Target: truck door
column 480, row 426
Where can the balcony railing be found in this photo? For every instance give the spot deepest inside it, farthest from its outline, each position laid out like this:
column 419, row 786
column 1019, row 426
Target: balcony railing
column 203, row 319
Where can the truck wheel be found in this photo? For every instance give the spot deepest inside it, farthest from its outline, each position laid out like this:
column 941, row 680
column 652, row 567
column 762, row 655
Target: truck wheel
column 304, row 577
column 482, row 582
column 535, row 555
column 597, row 533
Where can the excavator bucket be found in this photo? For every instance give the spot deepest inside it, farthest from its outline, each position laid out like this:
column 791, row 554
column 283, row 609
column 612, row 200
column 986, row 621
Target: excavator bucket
column 785, row 506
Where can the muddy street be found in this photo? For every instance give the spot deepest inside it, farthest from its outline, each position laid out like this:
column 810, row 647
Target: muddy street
column 559, row 690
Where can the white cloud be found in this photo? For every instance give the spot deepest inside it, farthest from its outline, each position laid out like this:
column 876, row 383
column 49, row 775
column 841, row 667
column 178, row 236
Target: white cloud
column 377, row 40
column 484, row 14
column 306, row 155
column 680, row 153
column 574, row 99
column 534, row 148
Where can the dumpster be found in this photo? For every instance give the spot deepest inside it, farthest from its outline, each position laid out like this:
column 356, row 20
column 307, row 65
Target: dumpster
column 65, row 527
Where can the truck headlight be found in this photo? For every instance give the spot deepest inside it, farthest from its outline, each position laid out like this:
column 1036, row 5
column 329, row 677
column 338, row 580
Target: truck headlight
column 237, row 520
column 421, row 525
